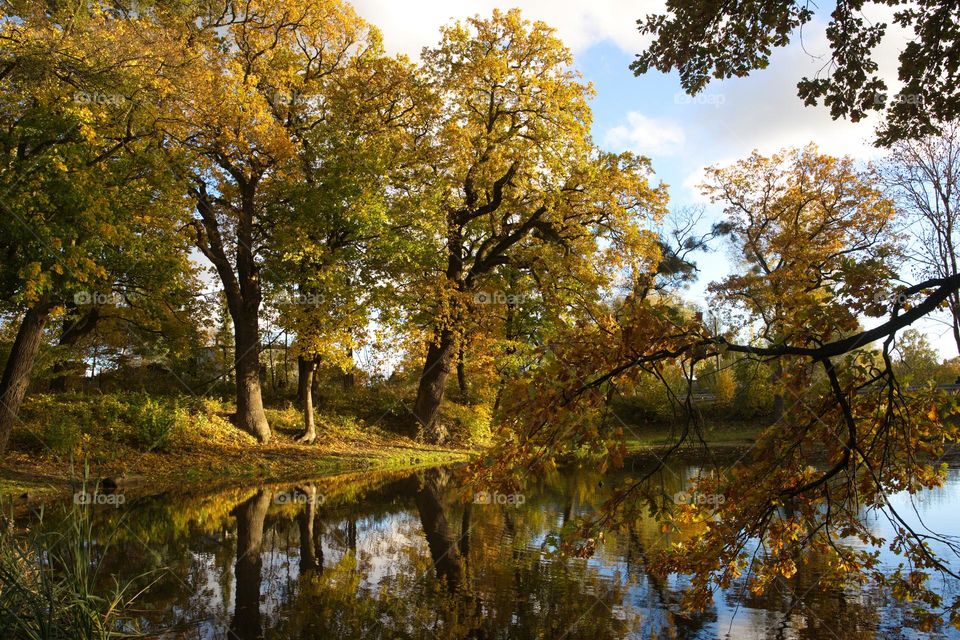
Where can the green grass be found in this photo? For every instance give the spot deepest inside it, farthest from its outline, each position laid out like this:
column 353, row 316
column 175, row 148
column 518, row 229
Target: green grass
column 157, row 444
column 727, row 433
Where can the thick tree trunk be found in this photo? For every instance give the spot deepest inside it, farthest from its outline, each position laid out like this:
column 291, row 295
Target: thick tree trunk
column 247, row 622
column 16, row 374
column 243, row 291
column 303, row 384
column 443, row 350
column 433, row 383
column 309, row 427
column 250, row 415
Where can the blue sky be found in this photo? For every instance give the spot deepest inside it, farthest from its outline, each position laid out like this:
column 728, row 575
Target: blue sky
column 651, row 115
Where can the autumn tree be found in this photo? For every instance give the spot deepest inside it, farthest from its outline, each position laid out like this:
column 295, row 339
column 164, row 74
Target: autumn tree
column 345, row 225
column 917, row 359
column 923, row 177
column 81, row 179
column 262, row 71
column 856, row 436
column 733, row 39
column 810, row 234
column 512, row 164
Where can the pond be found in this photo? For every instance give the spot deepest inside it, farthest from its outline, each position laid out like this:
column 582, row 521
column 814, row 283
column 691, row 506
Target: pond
column 402, row 556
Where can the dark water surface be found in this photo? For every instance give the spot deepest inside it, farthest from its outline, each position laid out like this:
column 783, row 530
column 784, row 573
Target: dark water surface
column 398, row 556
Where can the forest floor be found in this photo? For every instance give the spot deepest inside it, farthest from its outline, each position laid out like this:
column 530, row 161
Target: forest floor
column 139, row 445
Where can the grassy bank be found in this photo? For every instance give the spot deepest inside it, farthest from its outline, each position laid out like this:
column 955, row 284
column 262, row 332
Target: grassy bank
column 148, row 443
column 143, row 443
column 715, row 433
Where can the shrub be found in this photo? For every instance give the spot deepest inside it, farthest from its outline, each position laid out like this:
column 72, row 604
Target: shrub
column 154, row 421
column 61, row 433
column 467, row 424
column 724, row 387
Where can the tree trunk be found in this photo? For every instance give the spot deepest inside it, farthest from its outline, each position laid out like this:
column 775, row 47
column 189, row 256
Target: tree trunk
column 461, row 374
column 310, row 430
column 16, row 374
column 73, row 329
column 250, row 415
column 433, row 383
column 349, row 379
column 303, row 385
column 244, row 293
column 247, row 622
column 778, row 405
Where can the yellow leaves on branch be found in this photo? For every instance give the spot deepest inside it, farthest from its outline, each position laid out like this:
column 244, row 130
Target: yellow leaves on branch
column 814, row 235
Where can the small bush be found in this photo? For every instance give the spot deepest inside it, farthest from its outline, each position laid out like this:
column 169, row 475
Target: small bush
column 206, row 405
column 467, row 424
column 62, row 433
column 154, row 422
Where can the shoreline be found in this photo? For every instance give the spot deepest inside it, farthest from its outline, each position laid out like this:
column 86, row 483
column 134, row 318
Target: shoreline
column 26, row 480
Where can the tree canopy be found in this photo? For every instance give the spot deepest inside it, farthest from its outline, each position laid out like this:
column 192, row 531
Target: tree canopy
column 733, row 39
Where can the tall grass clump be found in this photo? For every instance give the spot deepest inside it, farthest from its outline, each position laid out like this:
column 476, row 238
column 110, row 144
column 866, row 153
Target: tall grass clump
column 50, row 585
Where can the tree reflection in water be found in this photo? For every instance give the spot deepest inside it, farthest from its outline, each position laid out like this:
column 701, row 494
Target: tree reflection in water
column 404, row 557
column 246, row 623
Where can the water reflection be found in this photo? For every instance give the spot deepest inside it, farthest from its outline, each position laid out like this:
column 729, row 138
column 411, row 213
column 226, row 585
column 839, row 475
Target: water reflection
column 400, row 556
column 250, row 515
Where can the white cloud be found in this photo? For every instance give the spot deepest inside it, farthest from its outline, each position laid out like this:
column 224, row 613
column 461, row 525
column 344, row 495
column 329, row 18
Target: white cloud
column 691, row 185
column 648, row 136
column 409, row 26
column 763, row 111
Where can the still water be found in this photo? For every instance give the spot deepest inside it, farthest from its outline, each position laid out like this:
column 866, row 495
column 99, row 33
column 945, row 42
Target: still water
column 401, row 556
